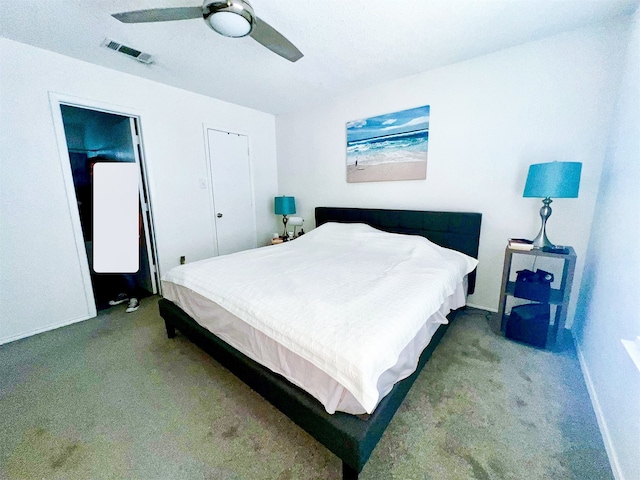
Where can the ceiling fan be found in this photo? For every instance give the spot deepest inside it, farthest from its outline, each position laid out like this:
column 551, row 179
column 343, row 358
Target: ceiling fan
column 231, row 18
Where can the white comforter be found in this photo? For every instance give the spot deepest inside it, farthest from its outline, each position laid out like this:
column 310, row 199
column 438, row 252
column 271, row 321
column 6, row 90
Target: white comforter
column 346, row 297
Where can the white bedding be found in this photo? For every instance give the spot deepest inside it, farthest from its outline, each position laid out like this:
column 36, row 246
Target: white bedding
column 257, row 346
column 346, row 298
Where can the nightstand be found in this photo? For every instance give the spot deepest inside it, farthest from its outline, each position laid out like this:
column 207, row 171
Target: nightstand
column 276, row 241
column 559, row 297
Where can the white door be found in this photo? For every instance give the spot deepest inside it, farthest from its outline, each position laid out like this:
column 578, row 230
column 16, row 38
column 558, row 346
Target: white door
column 232, row 191
column 148, row 261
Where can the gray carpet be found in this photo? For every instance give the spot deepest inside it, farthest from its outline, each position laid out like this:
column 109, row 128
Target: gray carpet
column 112, row 397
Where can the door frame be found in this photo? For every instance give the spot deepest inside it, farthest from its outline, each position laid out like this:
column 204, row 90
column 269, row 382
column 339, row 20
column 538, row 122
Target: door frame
column 55, row 101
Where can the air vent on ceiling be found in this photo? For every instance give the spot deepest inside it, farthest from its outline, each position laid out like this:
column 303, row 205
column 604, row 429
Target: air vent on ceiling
column 132, row 52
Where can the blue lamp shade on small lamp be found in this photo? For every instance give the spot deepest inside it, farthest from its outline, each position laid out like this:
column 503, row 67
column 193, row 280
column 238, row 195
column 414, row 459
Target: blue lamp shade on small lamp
column 546, row 180
column 284, row 206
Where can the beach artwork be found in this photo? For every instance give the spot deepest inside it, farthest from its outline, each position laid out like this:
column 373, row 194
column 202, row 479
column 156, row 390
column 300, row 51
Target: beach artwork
column 388, row 147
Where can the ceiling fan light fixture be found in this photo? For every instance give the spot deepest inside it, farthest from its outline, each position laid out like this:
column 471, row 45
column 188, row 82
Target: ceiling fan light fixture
column 231, row 18
column 229, row 24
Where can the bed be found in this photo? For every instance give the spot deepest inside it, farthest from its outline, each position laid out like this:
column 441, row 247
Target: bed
column 351, row 437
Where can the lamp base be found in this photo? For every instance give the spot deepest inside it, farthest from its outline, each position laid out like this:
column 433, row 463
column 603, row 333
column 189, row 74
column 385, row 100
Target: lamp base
column 285, row 234
column 541, row 239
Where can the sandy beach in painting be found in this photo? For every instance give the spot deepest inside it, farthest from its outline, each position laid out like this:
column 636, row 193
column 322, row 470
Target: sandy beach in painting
column 384, row 171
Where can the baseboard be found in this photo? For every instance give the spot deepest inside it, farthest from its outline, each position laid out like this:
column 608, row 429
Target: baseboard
column 602, row 424
column 43, row 329
column 482, row 307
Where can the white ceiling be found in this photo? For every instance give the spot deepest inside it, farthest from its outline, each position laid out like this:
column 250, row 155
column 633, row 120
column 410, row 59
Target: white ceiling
column 347, row 44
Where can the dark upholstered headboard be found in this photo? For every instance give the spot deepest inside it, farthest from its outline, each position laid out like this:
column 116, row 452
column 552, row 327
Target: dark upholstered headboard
column 456, row 230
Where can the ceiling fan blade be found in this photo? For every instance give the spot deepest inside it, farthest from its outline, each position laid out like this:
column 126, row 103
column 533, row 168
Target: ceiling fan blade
column 268, row 36
column 159, row 15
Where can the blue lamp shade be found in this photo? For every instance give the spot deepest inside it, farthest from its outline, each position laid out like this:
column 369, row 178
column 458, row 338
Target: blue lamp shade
column 553, row 180
column 285, row 205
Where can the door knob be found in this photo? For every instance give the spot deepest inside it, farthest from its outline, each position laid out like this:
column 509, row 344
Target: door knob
column 219, row 215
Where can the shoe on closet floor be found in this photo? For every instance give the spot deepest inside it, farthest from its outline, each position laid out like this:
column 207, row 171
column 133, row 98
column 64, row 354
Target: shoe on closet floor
column 121, row 298
column 134, row 304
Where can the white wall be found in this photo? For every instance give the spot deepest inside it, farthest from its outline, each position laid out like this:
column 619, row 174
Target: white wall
column 41, row 284
column 608, row 308
column 491, row 118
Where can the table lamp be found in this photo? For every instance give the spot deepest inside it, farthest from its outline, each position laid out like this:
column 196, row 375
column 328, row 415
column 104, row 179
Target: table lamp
column 284, row 206
column 546, row 180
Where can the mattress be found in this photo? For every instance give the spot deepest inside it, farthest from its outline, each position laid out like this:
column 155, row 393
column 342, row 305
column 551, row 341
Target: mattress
column 342, row 312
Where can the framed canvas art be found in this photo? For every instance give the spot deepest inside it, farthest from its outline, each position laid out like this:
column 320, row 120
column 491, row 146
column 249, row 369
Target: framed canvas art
column 388, row 147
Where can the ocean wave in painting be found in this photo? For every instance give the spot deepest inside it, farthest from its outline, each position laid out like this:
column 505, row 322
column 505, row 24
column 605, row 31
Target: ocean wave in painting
column 393, row 148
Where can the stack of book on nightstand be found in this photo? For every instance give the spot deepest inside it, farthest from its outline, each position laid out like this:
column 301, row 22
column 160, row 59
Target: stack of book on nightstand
column 520, row 244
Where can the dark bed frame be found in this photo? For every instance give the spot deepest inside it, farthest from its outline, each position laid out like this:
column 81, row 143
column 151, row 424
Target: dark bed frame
column 351, row 437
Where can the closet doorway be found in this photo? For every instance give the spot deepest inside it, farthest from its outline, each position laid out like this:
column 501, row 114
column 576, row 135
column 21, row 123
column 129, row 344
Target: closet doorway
column 94, row 136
